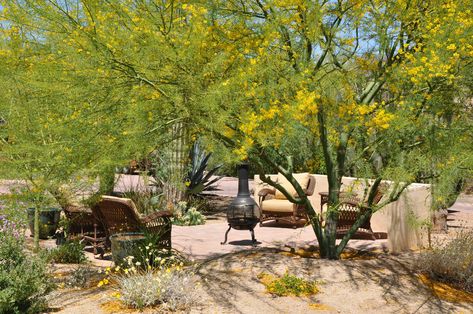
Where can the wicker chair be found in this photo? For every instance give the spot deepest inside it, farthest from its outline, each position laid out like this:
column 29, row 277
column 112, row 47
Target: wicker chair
column 281, row 209
column 83, row 225
column 120, row 215
column 349, row 212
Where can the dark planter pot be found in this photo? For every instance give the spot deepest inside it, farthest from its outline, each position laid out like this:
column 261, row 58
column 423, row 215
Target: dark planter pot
column 127, row 244
column 48, row 221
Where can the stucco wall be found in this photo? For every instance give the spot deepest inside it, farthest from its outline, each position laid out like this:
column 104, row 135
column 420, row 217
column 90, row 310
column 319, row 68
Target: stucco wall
column 401, row 220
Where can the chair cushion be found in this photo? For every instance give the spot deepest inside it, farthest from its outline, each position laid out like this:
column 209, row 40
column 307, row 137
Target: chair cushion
column 125, row 201
column 280, row 206
column 301, row 178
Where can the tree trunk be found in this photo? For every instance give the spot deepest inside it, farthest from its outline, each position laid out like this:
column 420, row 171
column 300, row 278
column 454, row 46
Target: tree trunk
column 328, row 248
column 174, row 188
column 330, row 231
column 36, row 228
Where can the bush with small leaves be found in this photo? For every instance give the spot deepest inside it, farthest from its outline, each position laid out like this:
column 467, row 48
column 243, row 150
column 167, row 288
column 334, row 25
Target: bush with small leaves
column 69, row 253
column 184, row 216
column 82, row 277
column 452, row 262
column 162, row 282
column 288, row 285
column 24, row 280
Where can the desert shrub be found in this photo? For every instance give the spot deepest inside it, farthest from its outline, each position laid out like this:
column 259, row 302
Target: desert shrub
column 161, row 280
column 191, row 218
column 24, row 280
column 11, row 205
column 451, row 262
column 200, row 179
column 171, row 289
column 146, row 200
column 71, row 252
column 187, row 216
column 81, row 277
column 288, row 285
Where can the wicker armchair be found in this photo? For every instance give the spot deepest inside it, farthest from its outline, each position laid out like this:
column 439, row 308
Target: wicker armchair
column 120, row 215
column 83, row 225
column 349, row 212
column 281, row 209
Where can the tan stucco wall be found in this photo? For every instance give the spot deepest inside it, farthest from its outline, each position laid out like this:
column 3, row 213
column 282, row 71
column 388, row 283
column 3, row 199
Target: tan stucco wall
column 400, row 220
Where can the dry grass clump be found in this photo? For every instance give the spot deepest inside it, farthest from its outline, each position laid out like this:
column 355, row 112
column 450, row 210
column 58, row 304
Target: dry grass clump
column 451, row 263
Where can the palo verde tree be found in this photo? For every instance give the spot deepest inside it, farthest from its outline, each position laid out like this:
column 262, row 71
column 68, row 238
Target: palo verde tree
column 368, row 80
column 143, row 65
column 56, row 127
column 362, row 80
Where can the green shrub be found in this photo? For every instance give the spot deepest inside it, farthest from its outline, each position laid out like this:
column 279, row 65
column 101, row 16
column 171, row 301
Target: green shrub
column 24, row 280
column 288, row 285
column 198, row 178
column 191, row 218
column 69, row 253
column 452, row 262
column 147, row 201
column 184, row 216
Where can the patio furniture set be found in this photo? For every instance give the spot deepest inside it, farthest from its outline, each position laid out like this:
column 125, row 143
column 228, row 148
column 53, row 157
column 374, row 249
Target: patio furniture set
column 276, row 207
column 114, row 215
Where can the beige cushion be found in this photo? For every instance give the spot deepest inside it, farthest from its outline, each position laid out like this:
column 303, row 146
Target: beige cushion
column 301, row 178
column 280, row 206
column 126, row 201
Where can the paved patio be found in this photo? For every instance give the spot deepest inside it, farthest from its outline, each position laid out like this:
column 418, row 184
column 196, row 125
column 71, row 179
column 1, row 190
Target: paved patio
column 203, row 242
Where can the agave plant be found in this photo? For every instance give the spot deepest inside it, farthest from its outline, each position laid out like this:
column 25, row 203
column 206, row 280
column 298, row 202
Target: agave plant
column 198, row 179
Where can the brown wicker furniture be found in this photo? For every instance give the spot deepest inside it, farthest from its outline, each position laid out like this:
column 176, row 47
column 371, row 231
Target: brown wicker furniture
column 350, row 210
column 120, row 215
column 324, row 200
column 279, row 208
column 83, row 225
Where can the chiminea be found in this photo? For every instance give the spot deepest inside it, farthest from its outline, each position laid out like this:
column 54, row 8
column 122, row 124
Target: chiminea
column 243, row 212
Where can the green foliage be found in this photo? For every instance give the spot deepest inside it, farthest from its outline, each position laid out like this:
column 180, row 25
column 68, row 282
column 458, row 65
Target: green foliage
column 199, row 179
column 288, row 285
column 146, row 202
column 372, row 89
column 71, row 252
column 24, row 280
column 14, row 208
column 187, row 216
column 192, row 217
column 451, row 262
column 147, row 199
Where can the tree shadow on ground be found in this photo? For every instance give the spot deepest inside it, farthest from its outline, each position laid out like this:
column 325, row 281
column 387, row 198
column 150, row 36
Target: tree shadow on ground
column 230, row 277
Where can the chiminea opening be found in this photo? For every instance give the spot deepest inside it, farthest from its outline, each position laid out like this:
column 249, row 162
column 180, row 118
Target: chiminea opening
column 243, row 212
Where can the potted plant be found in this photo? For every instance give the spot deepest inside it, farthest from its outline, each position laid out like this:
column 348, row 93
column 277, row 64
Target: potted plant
column 45, row 214
column 48, row 221
column 126, row 244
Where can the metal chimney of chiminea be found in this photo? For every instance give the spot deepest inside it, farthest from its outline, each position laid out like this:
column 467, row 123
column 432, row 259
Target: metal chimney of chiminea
column 243, row 212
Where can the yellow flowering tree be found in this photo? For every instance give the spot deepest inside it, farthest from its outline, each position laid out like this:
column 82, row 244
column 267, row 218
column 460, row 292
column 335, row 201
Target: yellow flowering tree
column 122, row 79
column 371, row 86
column 368, row 80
